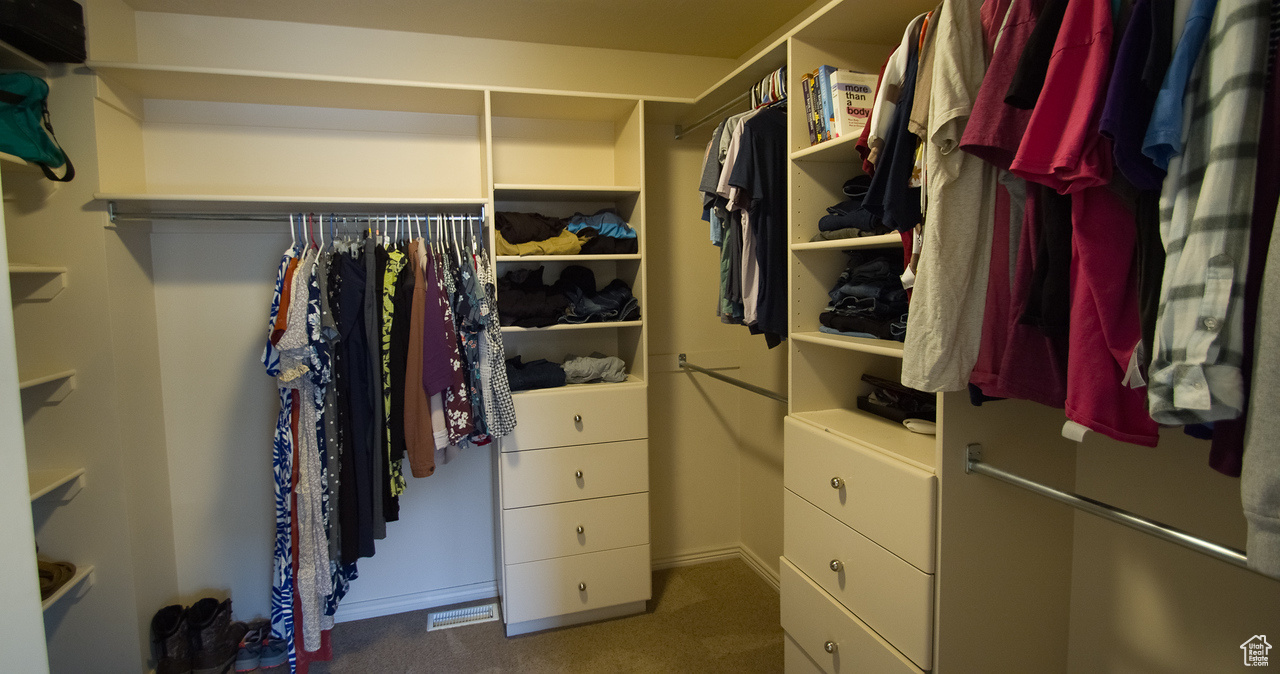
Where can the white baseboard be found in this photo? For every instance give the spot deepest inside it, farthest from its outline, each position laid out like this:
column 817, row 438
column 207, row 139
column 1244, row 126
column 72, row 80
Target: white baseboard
column 698, row 557
column 759, row 566
column 374, row 608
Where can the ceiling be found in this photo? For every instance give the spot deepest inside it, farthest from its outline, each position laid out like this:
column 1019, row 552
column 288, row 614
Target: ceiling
column 720, row 28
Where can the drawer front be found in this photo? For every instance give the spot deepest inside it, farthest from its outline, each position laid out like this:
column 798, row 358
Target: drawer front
column 544, row 532
column 578, row 416
column 812, row 619
column 794, row 659
column 542, row 476
column 888, row 501
column 551, row 587
column 891, row 596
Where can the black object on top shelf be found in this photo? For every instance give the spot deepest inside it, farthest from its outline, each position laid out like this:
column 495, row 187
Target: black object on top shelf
column 48, row 30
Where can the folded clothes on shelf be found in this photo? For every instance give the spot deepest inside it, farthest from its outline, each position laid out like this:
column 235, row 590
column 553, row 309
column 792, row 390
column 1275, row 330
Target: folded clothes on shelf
column 535, row 374
column 602, row 233
column 605, row 222
column 517, row 228
column 564, row 243
column 614, row 302
column 594, row 368
column 868, row 297
column 525, row 301
column 896, row 402
column 850, row 214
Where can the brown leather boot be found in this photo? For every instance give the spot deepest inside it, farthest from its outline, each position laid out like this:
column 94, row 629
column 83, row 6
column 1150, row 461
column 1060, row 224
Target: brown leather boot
column 170, row 641
column 213, row 641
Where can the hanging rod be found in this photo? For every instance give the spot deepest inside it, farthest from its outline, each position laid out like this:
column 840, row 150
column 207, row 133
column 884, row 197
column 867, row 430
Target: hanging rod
column 118, row 216
column 686, row 365
column 974, row 464
column 681, row 129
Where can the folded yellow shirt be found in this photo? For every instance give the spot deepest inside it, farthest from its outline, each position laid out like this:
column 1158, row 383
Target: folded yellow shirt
column 564, row 243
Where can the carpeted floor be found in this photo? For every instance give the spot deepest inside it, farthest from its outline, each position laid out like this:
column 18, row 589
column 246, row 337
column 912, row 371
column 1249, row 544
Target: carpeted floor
column 718, row 617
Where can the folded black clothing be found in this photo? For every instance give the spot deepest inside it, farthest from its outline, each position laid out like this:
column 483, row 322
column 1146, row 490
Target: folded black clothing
column 879, row 328
column 857, row 187
column 609, row 245
column 535, row 374
column 524, row 301
column 849, row 233
column 525, row 227
column 575, row 276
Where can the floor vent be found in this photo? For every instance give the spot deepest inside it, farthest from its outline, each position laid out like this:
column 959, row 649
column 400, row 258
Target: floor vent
column 443, row 620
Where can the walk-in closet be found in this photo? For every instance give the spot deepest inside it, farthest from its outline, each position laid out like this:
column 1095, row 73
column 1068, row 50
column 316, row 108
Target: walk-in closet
column 582, row 337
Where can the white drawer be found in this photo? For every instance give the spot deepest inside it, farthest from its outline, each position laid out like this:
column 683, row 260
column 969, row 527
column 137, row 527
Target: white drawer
column 795, row 661
column 891, row 596
column 554, row 587
column 544, row 532
column 812, row 619
column 888, row 501
column 578, row 416
column 561, row 474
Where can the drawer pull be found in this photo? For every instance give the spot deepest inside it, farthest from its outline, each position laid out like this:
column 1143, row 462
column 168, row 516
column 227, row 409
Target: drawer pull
column 582, row 587
column 580, row 529
column 830, row 647
column 836, row 483
column 577, row 474
column 836, row 565
column 577, row 418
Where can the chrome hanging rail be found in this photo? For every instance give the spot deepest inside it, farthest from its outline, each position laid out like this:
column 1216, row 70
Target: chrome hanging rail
column 362, row 217
column 974, row 464
column 682, row 129
column 686, row 365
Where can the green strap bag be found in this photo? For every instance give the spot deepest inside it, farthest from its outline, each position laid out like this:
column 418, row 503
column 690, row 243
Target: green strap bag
column 24, row 119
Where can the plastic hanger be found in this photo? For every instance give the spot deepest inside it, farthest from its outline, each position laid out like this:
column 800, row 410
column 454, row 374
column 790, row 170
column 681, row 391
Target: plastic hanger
column 293, row 237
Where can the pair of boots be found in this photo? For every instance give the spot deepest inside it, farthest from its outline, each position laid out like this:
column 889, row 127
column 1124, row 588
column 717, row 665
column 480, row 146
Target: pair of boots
column 197, row 640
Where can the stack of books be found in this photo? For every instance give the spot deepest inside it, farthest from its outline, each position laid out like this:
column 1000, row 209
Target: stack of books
column 837, row 102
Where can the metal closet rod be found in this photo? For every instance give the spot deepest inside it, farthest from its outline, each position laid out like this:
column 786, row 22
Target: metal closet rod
column 974, row 464
column 682, row 129
column 686, row 365
column 117, row 216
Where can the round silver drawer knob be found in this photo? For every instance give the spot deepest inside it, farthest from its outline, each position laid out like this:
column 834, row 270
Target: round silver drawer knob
column 830, row 647
column 577, row 474
column 836, row 483
column 836, row 565
column 577, row 418
column 580, row 529
column 582, row 587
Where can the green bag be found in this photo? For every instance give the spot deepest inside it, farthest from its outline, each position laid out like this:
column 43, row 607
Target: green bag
column 24, row 108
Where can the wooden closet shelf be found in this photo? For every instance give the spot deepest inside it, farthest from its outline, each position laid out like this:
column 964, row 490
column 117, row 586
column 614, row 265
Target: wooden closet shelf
column 47, row 379
column 21, row 268
column 876, row 433
column 565, row 258
column 842, row 149
column 12, row 159
column 82, row 573
column 42, row 482
column 891, row 240
column 574, row 326
column 243, row 203
column 632, row 380
column 512, row 192
column 879, row 347
column 12, row 58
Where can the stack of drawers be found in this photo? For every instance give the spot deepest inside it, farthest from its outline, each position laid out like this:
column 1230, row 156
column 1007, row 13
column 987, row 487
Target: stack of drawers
column 574, row 490
column 858, row 557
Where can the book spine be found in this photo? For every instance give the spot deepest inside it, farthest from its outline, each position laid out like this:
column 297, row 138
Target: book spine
column 824, row 90
column 806, row 85
column 816, row 102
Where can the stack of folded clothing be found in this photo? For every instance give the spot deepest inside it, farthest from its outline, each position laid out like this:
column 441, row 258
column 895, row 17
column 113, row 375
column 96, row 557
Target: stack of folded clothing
column 848, row 219
column 604, row 233
column 896, row 402
column 543, row 373
column 868, row 300
column 525, row 301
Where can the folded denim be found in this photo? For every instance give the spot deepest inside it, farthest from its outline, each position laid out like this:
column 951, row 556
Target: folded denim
column 594, row 368
column 848, row 214
column 879, row 329
column 833, row 331
column 846, row 233
column 534, row 374
column 614, row 302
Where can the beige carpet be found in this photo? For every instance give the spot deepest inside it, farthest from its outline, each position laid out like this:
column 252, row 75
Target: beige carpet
column 718, row 617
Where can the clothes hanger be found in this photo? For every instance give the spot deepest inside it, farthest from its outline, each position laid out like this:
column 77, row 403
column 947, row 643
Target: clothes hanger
column 293, row 238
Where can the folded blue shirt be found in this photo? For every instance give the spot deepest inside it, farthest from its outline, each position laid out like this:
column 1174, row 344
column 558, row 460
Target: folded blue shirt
column 606, row 223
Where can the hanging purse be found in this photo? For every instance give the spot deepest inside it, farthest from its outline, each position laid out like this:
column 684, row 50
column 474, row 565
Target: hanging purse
column 24, row 120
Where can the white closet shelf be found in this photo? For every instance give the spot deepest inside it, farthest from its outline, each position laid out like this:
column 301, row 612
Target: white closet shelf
column 12, row 159
column 879, row 347
column 47, row 379
column 563, row 105
column 734, row 84
column 632, row 380
column 513, row 192
column 84, row 574
column 565, row 258
column 42, row 482
column 891, row 240
column 842, row 149
column 182, row 83
column 12, row 58
column 876, row 433
column 23, row 268
column 574, row 326
column 237, row 203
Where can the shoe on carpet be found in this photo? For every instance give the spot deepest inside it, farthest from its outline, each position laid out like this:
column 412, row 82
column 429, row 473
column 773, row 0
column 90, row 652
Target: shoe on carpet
column 214, row 639
column 250, row 655
column 170, row 641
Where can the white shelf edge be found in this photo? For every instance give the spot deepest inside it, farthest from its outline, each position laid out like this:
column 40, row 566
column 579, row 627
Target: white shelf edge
column 566, row 258
column 879, row 347
column 41, row 482
column 632, row 380
column 608, row 189
column 891, row 240
column 13, row 159
column 574, row 326
column 29, row 383
column 20, row 60
column 824, row 146
column 283, row 199
column 20, row 268
column 82, row 573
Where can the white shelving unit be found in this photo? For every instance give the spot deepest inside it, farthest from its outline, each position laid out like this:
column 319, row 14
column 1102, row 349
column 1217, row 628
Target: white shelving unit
column 44, row 482
column 81, row 581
